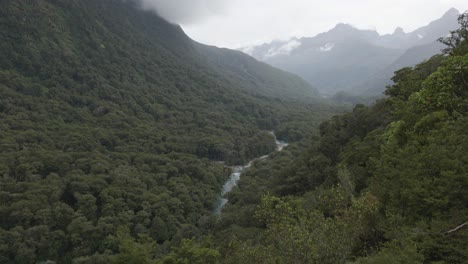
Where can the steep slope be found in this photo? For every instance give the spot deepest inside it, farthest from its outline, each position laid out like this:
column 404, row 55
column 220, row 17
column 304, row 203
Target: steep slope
column 112, row 126
column 258, row 77
column 141, row 61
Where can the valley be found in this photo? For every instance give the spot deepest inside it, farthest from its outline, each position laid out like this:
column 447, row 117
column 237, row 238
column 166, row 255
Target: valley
column 236, row 174
column 123, row 140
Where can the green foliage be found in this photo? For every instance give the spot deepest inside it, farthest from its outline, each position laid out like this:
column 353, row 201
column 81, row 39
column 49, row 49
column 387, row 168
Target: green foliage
column 191, row 252
column 318, row 165
column 383, row 184
column 111, row 116
column 395, row 253
column 445, row 89
column 133, row 251
column 298, row 235
column 108, row 122
column 409, row 80
column 457, row 41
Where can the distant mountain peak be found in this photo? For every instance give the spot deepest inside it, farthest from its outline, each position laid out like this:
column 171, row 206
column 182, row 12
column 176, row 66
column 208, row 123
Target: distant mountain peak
column 399, row 31
column 343, row 26
column 451, row 13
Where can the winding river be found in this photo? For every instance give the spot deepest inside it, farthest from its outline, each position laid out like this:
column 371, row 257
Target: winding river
column 236, row 174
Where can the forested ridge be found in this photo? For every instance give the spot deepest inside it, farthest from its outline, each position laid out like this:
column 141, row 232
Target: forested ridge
column 382, row 184
column 114, row 124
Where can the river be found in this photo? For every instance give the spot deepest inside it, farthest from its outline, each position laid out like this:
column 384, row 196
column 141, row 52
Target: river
column 236, row 174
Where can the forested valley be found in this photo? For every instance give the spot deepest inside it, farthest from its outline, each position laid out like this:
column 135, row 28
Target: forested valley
column 115, row 125
column 117, row 132
column 384, row 183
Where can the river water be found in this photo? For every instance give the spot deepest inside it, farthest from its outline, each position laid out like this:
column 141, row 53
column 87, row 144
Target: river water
column 236, row 174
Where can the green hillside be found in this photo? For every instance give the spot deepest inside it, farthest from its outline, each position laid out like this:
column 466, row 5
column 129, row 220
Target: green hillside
column 113, row 119
column 382, row 184
column 117, row 132
column 257, row 76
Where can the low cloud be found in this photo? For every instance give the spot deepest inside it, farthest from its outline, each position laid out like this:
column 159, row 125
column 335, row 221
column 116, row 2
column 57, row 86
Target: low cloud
column 284, row 49
column 186, row 11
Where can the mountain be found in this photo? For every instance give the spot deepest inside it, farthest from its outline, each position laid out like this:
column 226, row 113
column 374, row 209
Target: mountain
column 353, row 60
column 375, row 85
column 257, row 77
column 336, row 64
column 115, row 127
column 421, row 36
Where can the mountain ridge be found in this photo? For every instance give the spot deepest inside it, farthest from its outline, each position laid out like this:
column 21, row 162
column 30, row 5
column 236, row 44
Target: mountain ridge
column 308, row 54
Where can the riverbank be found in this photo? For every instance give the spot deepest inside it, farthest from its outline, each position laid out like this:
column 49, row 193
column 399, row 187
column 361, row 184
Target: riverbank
column 236, row 175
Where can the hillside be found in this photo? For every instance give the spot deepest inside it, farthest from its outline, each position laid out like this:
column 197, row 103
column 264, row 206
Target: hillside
column 114, row 124
column 260, row 78
column 384, row 183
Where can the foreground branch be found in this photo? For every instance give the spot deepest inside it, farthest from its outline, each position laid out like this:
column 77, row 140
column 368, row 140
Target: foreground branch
column 456, row 228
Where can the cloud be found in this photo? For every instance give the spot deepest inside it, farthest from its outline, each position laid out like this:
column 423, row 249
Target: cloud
column 244, row 23
column 284, row 49
column 186, row 12
column 327, row 47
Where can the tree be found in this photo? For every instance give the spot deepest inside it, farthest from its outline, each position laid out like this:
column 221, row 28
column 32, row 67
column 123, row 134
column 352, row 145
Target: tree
column 457, row 41
column 134, row 251
column 190, row 252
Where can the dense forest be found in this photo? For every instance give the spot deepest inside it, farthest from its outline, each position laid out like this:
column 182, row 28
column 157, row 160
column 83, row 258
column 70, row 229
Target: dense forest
column 114, row 125
column 382, row 184
column 116, row 129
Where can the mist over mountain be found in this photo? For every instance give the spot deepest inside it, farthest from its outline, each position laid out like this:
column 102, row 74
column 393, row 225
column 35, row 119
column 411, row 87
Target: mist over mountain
column 183, row 11
column 375, row 84
column 353, row 60
column 421, row 36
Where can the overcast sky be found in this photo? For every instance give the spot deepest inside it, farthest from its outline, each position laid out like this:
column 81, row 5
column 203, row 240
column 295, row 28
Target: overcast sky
column 239, row 23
